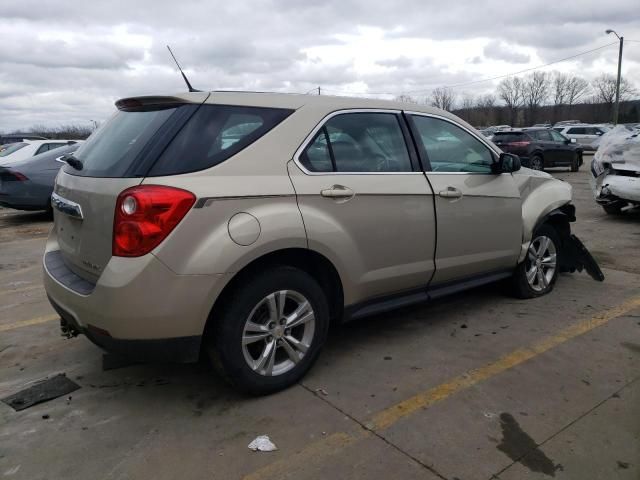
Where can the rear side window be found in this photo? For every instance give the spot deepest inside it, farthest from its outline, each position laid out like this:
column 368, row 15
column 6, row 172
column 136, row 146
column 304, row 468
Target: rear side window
column 214, row 134
column 542, row 135
column 358, row 142
column 509, row 137
column 576, row 131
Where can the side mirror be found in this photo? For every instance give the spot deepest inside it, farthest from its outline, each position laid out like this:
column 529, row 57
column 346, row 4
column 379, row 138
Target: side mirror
column 507, row 163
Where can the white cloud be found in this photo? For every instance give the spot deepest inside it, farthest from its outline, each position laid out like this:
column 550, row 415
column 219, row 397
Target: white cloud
column 61, row 62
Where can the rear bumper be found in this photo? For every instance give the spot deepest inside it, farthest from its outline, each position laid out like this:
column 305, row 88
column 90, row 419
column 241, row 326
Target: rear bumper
column 138, row 307
column 25, row 196
column 179, row 349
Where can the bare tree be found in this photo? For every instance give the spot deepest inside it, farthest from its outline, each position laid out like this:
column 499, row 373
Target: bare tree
column 67, row 132
column 605, row 89
column 576, row 88
column 536, row 91
column 443, row 97
column 560, row 87
column 511, row 91
column 405, row 98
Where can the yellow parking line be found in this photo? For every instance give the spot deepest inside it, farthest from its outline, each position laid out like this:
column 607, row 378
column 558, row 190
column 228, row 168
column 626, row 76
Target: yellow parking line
column 387, row 417
column 314, row 454
column 27, row 323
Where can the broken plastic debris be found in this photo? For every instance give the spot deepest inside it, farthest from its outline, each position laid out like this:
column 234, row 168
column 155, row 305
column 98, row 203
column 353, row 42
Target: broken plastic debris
column 262, row 444
column 322, row 391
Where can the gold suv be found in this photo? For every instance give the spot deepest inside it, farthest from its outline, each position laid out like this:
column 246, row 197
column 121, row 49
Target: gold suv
column 242, row 224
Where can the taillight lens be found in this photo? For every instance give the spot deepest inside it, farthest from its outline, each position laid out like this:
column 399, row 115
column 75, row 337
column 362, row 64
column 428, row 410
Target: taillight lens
column 145, row 215
column 518, row 144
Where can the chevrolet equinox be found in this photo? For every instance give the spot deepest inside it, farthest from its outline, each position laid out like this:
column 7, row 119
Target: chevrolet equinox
column 241, row 225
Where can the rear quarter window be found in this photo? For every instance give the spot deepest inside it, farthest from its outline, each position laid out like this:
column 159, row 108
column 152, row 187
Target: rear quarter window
column 214, row 134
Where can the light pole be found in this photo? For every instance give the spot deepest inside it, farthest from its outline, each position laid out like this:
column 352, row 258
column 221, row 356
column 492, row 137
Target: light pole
column 616, row 107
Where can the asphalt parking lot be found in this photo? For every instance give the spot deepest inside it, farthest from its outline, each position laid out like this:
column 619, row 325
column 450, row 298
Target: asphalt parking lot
column 476, row 386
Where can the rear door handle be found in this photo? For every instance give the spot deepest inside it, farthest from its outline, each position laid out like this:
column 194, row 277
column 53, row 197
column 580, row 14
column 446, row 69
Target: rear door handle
column 450, row 192
column 338, row 192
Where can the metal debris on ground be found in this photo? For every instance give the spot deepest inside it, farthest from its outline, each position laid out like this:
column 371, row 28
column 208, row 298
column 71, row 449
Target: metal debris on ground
column 41, row 391
column 262, row 444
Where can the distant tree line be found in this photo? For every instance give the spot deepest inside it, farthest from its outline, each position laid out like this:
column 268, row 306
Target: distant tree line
column 67, row 132
column 540, row 97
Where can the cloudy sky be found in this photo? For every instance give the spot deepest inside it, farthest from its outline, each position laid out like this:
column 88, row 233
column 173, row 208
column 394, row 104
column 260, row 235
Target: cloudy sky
column 67, row 61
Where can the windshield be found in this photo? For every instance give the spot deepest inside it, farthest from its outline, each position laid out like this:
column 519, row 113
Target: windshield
column 13, row 147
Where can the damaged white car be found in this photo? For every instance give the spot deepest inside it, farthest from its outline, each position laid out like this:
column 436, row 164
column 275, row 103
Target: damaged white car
column 615, row 170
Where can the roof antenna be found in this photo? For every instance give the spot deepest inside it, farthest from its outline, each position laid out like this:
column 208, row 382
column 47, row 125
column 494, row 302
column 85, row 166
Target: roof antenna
column 186, row 80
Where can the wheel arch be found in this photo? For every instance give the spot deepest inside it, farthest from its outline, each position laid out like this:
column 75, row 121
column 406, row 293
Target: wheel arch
column 309, row 261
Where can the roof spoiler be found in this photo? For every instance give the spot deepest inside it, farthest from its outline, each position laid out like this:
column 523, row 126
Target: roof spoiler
column 133, row 104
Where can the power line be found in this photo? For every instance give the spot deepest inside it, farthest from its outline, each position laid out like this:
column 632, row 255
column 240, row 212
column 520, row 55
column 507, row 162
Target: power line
column 483, row 79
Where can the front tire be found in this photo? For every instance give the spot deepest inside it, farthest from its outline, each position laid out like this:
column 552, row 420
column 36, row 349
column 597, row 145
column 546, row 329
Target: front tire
column 537, row 274
column 270, row 330
column 575, row 163
column 614, row 208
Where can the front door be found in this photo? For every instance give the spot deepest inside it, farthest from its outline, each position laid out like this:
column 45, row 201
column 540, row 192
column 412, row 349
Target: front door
column 479, row 213
column 365, row 204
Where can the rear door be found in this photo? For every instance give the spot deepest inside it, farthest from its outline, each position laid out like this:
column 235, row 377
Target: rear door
column 366, row 204
column 479, row 213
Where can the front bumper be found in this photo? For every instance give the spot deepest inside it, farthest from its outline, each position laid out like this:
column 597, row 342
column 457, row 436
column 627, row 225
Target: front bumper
column 614, row 188
column 138, row 307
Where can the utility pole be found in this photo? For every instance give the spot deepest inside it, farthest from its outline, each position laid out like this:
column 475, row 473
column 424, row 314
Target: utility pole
column 318, row 90
column 616, row 107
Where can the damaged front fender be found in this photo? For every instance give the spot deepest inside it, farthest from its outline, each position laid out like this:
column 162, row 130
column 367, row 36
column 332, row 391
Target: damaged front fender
column 575, row 256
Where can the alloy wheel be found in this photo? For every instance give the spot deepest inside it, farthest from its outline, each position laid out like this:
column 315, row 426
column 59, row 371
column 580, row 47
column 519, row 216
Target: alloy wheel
column 278, row 332
column 541, row 263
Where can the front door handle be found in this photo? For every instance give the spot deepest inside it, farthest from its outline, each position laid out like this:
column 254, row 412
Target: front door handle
column 337, row 192
column 450, row 192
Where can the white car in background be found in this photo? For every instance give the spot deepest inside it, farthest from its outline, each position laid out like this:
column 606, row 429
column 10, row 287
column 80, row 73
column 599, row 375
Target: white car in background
column 14, row 152
column 615, row 170
column 584, row 134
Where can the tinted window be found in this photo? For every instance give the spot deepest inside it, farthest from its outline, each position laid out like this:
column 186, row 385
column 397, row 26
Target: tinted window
column 576, row 131
column 43, row 148
column 358, row 142
column 508, row 137
column 112, row 149
column 13, row 147
column 452, row 149
column 213, row 134
column 557, row 137
column 543, row 135
column 316, row 157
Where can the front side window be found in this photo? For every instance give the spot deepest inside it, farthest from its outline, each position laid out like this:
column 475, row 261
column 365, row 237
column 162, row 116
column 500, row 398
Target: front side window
column 576, row 131
column 449, row 148
column 358, row 142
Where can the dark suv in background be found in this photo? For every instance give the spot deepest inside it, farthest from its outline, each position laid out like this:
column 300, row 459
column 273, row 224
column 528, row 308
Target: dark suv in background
column 540, row 148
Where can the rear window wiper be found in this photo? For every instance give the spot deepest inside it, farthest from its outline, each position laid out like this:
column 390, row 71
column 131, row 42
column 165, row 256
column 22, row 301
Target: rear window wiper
column 73, row 161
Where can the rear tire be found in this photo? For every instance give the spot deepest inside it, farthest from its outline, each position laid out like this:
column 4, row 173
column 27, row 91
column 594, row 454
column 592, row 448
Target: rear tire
column 537, row 274
column 613, row 208
column 250, row 344
column 537, row 163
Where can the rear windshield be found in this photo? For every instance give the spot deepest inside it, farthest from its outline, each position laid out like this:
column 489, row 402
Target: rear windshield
column 172, row 140
column 112, row 150
column 12, row 147
column 508, row 136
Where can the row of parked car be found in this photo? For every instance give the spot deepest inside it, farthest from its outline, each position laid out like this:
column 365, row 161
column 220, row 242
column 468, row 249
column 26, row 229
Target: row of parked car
column 28, row 169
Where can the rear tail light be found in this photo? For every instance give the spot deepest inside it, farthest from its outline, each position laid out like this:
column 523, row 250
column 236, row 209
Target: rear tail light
column 12, row 176
column 518, row 144
column 145, row 215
